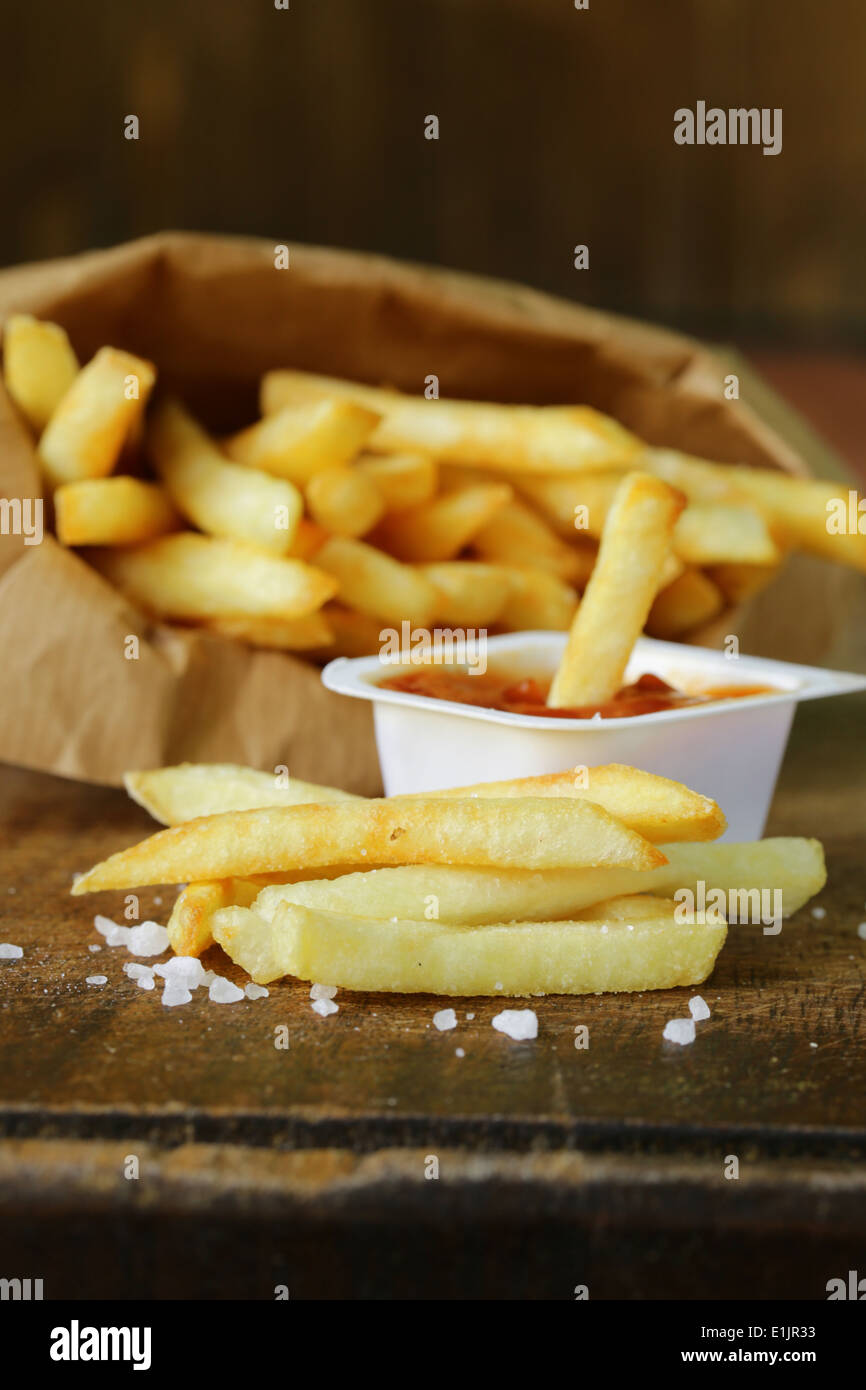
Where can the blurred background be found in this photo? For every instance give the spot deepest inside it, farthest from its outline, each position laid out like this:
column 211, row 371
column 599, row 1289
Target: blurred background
column 555, row 129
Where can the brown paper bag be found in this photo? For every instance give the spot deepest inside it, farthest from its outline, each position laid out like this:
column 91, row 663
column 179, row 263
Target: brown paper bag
column 213, row 314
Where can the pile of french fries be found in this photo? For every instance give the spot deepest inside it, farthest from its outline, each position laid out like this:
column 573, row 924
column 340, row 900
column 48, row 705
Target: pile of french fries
column 545, row 885
column 348, row 507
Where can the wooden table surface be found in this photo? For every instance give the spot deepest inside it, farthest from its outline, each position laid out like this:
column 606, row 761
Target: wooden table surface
column 334, row 1133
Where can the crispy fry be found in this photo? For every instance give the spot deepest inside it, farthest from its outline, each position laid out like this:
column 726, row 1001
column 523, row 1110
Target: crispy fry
column 344, row 500
column 112, row 511
column 376, row 584
column 297, row 442
column 537, row 601
column 39, row 366
column 656, row 807
column 191, row 790
column 85, row 434
column 189, row 926
column 469, row 594
column 520, row 437
column 634, row 545
column 517, row 535
column 526, row 833
column 632, row 944
column 475, row 897
column 439, row 530
column 403, row 480
column 222, row 498
column 311, row 633
column 196, row 578
column 690, row 601
column 741, row 582
column 713, row 532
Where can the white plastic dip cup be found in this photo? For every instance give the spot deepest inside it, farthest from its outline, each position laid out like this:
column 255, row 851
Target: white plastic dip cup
column 730, row 750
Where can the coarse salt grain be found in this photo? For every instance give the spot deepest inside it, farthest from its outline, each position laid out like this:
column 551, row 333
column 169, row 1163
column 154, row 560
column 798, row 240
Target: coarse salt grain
column 184, row 970
column 698, row 1009
column 519, row 1024
column 94, row 947
column 10, row 952
column 254, row 991
column 445, row 1019
column 819, row 913
column 680, row 1030
column 324, row 1007
column 147, row 939
column 97, row 980
column 114, row 934
column 223, row 991
column 470, row 1017
column 322, row 991
column 861, row 931
column 458, row 1052
column 175, row 994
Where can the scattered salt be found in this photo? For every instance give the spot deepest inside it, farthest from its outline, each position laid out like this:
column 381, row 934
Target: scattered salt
column 175, row 994
column 819, row 913
column 223, row 991
column 698, row 1009
column 813, row 1044
column 10, row 952
column 147, row 939
column 323, row 1007
column 470, row 1017
column 445, row 1019
column 182, row 970
column 517, row 1023
column 97, row 980
column 680, row 1030
column 322, row 991
column 254, row 991
column 114, row 935
column 861, row 931
column 498, row 984
column 458, row 1052
column 94, row 947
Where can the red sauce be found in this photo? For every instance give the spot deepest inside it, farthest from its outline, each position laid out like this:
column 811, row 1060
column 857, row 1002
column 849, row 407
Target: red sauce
column 647, row 695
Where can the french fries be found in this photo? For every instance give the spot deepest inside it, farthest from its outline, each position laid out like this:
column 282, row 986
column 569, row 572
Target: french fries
column 709, row 533
column 537, row 601
column 196, row 578
column 191, row 790
column 468, row 594
column 634, row 544
column 506, row 437
column 473, row 897
column 310, row 633
column 656, row 807
column 189, row 926
column 691, row 600
column 344, row 500
column 438, row 530
column 86, row 431
column 112, row 511
column 39, row 366
column 298, row 442
column 377, row 585
column 517, row 535
column 403, row 480
column 222, row 498
column 527, row 833
column 637, row 945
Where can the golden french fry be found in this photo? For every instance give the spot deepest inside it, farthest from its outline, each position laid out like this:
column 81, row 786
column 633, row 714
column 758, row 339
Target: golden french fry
column 741, row 582
column 439, row 530
column 297, row 442
column 85, row 434
column 112, row 511
column 39, row 366
column 519, row 833
column 189, row 926
column 521, row 437
column 195, row 578
column 308, row 538
column 192, row 790
column 749, row 875
column 690, row 601
column 635, row 542
column 656, row 807
column 629, row 945
column 352, row 634
column 713, row 532
column 469, row 594
column 344, row 500
column 517, row 535
column 809, row 513
column 537, row 601
column 222, row 498
column 376, row 584
column 310, row 633
column 403, row 480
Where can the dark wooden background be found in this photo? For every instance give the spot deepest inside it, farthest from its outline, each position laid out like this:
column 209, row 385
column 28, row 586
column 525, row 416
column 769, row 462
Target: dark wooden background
column 556, row 129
